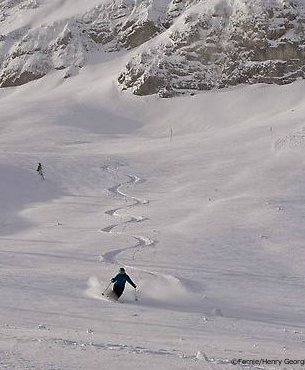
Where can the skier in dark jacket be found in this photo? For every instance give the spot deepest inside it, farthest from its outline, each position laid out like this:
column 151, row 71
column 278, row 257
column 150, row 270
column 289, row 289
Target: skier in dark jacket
column 119, row 282
column 40, row 171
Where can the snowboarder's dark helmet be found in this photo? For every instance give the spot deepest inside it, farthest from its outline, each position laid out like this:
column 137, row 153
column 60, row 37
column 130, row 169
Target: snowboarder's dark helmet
column 122, row 270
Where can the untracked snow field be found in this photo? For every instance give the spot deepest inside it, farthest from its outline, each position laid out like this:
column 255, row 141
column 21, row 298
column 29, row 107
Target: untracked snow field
column 201, row 198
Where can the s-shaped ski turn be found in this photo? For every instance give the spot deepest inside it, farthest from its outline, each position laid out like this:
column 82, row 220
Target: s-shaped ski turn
column 141, row 241
column 154, row 287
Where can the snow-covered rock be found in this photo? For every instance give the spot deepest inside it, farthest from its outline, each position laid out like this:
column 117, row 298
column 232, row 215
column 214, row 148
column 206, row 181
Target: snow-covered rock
column 177, row 45
column 219, row 43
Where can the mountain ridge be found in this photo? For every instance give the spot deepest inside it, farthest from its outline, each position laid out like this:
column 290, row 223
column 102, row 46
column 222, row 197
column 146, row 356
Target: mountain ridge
column 173, row 47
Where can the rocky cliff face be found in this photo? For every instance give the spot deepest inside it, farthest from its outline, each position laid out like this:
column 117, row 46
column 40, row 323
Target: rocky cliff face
column 219, row 43
column 174, row 46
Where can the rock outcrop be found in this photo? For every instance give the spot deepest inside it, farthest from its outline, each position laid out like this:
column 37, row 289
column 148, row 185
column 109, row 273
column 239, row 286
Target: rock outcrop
column 174, row 46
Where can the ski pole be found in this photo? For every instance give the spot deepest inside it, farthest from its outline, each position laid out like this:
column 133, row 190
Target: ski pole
column 135, row 294
column 106, row 288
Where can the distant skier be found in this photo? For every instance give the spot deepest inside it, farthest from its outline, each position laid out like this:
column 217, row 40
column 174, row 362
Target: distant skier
column 40, row 171
column 119, row 282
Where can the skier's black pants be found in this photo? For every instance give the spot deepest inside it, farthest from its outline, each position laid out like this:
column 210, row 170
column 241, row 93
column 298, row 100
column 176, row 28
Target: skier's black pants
column 118, row 290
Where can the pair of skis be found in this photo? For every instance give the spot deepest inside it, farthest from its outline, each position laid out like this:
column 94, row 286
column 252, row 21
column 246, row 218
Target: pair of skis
column 112, row 297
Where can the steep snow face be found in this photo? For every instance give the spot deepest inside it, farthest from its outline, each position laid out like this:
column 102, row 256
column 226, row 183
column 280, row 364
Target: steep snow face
column 177, row 45
column 30, row 48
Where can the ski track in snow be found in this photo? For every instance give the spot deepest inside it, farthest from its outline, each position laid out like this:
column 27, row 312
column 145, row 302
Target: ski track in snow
column 111, row 257
column 169, row 282
column 141, row 350
column 15, row 360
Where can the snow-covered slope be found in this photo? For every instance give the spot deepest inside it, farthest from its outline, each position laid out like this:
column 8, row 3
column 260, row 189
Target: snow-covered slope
column 177, row 45
column 201, row 198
